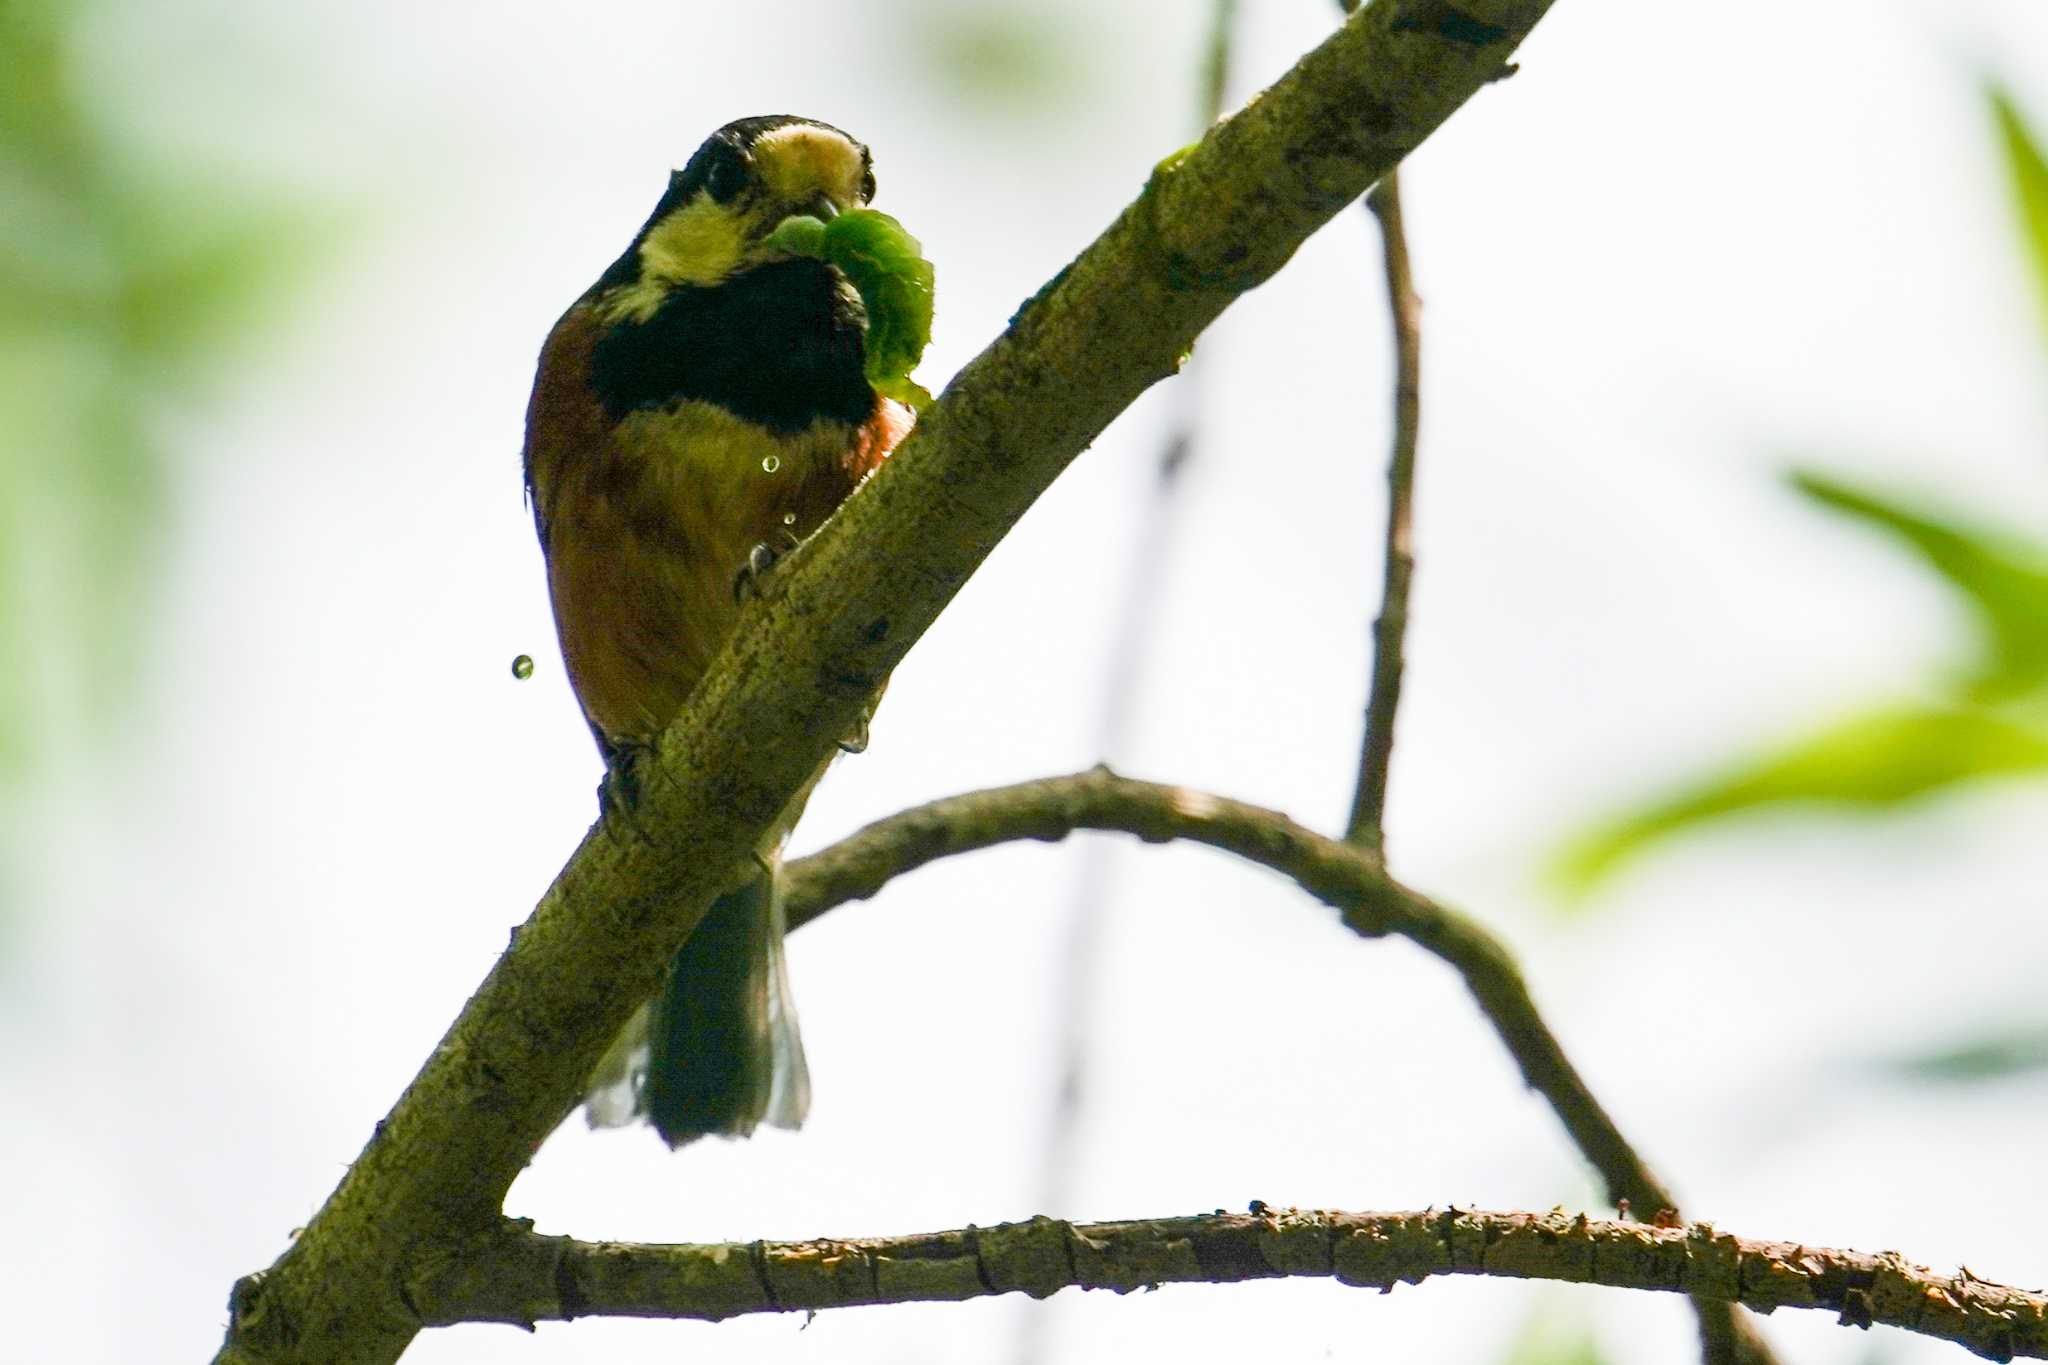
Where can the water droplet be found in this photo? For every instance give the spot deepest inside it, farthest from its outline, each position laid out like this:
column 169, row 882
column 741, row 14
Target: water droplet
column 789, row 518
column 771, row 463
column 522, row 667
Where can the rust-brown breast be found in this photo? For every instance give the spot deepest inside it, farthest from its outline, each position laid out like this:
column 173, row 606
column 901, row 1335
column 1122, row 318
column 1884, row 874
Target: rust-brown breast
column 646, row 520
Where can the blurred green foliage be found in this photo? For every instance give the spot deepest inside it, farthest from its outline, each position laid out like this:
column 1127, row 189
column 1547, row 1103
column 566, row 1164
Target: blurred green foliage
column 2029, row 175
column 1555, row 1335
column 1003, row 57
column 123, row 278
column 1875, row 760
column 2003, row 1052
column 1986, row 718
column 2002, row 577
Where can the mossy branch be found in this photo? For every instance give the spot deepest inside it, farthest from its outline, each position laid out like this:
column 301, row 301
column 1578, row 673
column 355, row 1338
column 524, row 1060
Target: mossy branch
column 843, row 611
column 519, row 1277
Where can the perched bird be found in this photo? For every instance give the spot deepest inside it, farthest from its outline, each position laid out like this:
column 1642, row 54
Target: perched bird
column 705, row 403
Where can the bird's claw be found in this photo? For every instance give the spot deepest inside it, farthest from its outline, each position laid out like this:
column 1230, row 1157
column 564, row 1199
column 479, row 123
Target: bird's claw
column 747, row 582
column 762, row 558
column 618, row 793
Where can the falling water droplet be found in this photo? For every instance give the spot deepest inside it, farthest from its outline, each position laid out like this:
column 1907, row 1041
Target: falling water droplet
column 522, row 667
column 771, row 463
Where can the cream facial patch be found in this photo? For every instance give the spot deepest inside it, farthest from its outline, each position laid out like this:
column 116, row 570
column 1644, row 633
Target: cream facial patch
column 796, row 162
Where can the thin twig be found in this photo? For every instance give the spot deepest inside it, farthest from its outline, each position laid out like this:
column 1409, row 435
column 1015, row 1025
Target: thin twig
column 519, row 1277
column 1216, row 62
column 1366, row 827
column 1726, row 1338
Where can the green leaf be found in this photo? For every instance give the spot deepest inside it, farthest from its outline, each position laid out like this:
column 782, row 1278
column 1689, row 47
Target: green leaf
column 1993, row 1056
column 2003, row 577
column 1871, row 762
column 2029, row 173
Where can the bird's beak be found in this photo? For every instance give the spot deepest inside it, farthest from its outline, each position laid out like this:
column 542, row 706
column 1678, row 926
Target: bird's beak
column 822, row 207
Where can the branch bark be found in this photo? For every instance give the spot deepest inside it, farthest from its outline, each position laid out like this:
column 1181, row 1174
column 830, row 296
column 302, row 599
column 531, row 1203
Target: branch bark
column 841, row 612
column 519, row 1277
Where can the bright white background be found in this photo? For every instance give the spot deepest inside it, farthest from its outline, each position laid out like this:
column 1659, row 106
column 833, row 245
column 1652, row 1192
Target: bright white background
column 1684, row 247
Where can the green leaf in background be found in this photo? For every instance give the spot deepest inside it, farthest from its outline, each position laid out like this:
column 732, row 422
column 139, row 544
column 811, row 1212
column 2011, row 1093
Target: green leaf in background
column 2029, row 174
column 1887, row 758
column 2004, row 577
column 1871, row 762
column 1027, row 61
column 1576, row 1350
column 127, row 276
column 1555, row 1335
column 1993, row 1056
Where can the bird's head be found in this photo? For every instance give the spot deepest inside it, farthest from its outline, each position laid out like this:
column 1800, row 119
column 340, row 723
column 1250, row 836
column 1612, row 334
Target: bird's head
column 720, row 208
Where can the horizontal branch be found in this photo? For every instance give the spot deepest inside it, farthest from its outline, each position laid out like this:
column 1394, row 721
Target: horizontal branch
column 1349, row 879
column 519, row 1277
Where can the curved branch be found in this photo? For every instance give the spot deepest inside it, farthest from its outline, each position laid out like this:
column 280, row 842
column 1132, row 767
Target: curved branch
column 1340, row 875
column 840, row 613
column 519, row 1277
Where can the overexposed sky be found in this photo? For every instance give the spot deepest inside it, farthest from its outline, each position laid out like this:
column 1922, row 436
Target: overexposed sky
column 1682, row 249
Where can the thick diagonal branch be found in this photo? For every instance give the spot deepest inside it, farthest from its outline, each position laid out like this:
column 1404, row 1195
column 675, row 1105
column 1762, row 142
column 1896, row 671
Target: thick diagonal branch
column 516, row 1276
column 845, row 609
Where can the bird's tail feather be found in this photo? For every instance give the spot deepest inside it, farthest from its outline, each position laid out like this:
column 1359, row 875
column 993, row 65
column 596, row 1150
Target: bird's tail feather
column 722, row 1052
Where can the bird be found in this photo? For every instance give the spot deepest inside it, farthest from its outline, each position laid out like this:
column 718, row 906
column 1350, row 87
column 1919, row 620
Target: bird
column 701, row 407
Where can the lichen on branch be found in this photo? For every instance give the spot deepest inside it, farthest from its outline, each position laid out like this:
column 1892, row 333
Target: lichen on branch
column 522, row 1278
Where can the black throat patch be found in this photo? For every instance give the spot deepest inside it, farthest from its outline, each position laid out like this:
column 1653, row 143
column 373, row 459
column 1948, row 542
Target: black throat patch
column 780, row 345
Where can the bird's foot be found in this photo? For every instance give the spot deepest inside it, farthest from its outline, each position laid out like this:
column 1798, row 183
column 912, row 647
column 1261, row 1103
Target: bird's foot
column 618, row 794
column 760, row 560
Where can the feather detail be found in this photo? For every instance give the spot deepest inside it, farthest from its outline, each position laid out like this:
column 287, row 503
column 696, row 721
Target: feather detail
column 647, row 518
